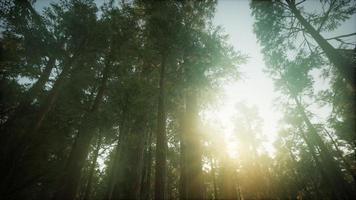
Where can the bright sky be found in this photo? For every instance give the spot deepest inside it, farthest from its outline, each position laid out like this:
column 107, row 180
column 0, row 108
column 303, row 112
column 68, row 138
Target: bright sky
column 255, row 88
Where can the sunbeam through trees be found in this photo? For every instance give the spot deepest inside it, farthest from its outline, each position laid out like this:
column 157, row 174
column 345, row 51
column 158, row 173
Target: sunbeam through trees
column 177, row 99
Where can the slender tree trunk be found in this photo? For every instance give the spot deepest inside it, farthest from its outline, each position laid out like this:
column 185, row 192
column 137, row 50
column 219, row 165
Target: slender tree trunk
column 25, row 103
column 295, row 170
column 70, row 181
column 239, row 194
column 59, row 83
column 112, row 174
column 339, row 153
column 193, row 147
column 161, row 144
column 112, row 171
column 129, row 170
column 13, row 156
column 11, row 137
column 123, row 131
column 318, row 164
column 35, row 90
column 29, row 138
column 51, row 99
column 146, row 180
column 182, row 160
column 31, row 94
column 344, row 65
column 92, row 169
column 318, row 194
column 26, row 5
column 332, row 170
column 213, row 174
column 228, row 187
column 169, row 193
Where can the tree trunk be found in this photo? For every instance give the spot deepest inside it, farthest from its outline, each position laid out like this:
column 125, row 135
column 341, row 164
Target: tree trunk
column 213, row 174
column 31, row 94
column 13, row 155
column 70, row 181
column 29, row 138
column 345, row 66
column 319, row 166
column 193, row 150
column 295, row 170
column 23, row 108
column 339, row 153
column 161, row 144
column 51, row 99
column 182, row 162
column 228, row 187
column 334, row 173
column 36, row 89
column 112, row 174
column 92, row 169
column 129, row 170
column 123, row 131
column 11, row 137
column 146, row 179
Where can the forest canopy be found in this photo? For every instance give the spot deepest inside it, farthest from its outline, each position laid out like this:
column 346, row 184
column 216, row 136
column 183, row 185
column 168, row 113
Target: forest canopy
column 105, row 99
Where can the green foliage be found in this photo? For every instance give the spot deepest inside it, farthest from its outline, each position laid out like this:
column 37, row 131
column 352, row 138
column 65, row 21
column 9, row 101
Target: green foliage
column 76, row 72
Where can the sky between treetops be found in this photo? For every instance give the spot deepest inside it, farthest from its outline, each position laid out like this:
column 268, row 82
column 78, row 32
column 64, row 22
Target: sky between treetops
column 254, row 87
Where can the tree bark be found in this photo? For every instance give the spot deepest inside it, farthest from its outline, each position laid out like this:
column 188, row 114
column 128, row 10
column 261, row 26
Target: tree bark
column 11, row 137
column 146, row 179
column 339, row 153
column 213, row 174
column 318, row 164
column 129, row 170
column 92, row 169
column 296, row 170
column 193, row 150
column 51, row 99
column 161, row 138
column 334, row 173
column 228, row 187
column 112, row 175
column 70, row 181
column 123, row 131
column 31, row 94
column 13, row 156
column 36, row 89
column 182, row 161
column 24, row 107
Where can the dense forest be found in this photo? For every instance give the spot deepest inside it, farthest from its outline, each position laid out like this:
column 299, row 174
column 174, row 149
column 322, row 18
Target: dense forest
column 106, row 101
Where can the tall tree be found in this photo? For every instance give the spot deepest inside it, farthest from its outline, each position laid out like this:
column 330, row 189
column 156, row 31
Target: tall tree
column 290, row 26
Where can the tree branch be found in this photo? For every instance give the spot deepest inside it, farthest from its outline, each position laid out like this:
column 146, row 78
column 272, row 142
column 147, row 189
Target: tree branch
column 326, row 16
column 300, row 2
column 341, row 36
